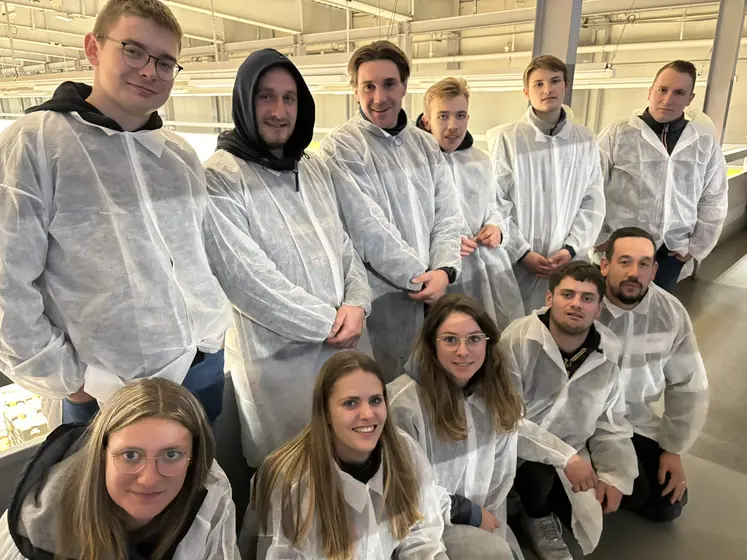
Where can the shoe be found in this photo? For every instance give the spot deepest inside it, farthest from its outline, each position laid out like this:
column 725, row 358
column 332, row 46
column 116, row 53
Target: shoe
column 546, row 537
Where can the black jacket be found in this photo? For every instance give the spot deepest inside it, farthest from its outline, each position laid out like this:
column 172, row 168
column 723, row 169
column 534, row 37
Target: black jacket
column 71, row 97
column 244, row 141
column 669, row 133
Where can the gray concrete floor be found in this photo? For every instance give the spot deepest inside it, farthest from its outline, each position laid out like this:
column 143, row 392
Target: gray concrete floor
column 713, row 526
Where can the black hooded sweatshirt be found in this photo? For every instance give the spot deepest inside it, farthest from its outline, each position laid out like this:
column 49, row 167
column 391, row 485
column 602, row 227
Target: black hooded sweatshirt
column 669, row 133
column 71, row 97
column 59, row 445
column 244, row 141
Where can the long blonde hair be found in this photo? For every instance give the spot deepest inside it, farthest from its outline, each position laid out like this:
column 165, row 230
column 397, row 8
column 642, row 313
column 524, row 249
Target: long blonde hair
column 444, row 400
column 90, row 525
column 310, row 457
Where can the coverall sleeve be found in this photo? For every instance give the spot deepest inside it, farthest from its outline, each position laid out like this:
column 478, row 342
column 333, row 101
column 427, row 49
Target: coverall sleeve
column 588, row 222
column 504, row 471
column 611, row 446
column 378, row 242
column 493, row 216
column 503, row 177
column 446, row 235
column 250, row 279
column 606, row 150
column 686, row 392
column 357, row 290
column 712, row 207
column 424, row 541
column 8, row 548
column 33, row 352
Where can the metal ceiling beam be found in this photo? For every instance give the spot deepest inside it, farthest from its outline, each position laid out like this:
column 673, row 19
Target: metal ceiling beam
column 40, row 8
column 362, row 7
column 526, row 15
column 231, row 17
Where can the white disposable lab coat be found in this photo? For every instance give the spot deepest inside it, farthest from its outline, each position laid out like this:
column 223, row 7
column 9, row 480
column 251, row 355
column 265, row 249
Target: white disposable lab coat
column 102, row 262
column 480, row 468
column 550, row 189
column 367, row 518
column 681, row 199
column 590, row 407
column 660, row 357
column 487, row 274
column 287, row 265
column 400, row 207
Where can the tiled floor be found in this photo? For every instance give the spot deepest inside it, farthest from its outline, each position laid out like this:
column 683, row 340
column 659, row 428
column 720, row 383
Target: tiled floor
column 714, row 523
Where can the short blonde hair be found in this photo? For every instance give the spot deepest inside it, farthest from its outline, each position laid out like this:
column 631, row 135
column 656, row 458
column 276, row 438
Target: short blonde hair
column 448, row 88
column 153, row 10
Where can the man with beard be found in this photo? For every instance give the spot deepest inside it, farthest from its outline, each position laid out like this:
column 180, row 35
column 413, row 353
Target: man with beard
column 659, row 358
column 276, row 244
column 565, row 366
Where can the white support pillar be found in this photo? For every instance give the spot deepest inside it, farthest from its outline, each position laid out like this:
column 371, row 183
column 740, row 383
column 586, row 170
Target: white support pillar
column 722, row 72
column 556, row 28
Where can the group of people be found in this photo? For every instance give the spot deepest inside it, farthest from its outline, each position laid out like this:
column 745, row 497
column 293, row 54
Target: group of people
column 492, row 356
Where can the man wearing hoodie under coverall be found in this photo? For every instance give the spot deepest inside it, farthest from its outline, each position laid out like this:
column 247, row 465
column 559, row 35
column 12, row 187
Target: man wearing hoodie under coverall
column 276, row 244
column 103, row 272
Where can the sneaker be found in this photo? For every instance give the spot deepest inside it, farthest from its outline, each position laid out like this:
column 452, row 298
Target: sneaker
column 546, row 537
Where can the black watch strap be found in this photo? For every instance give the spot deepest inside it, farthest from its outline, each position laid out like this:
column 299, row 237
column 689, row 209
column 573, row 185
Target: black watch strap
column 450, row 272
column 571, row 250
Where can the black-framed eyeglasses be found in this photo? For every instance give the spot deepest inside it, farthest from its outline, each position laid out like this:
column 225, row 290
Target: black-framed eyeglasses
column 137, row 57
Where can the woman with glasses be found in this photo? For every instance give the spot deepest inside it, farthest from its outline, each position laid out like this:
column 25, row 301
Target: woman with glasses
column 139, row 483
column 350, row 485
column 464, row 413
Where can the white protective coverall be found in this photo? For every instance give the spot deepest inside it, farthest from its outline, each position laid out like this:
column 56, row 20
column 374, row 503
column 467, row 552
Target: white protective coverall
column 211, row 535
column 367, row 518
column 590, row 407
column 400, row 207
column 480, row 468
column 660, row 357
column 287, row 266
column 487, row 274
column 550, row 191
column 102, row 264
column 681, row 199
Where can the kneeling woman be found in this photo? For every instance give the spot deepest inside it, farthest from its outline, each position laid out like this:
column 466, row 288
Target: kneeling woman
column 350, row 486
column 464, row 412
column 139, row 483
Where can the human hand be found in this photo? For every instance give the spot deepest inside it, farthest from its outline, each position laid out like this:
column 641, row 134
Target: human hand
column 469, row 246
column 537, row 264
column 80, row 396
column 434, row 282
column 347, row 328
column 608, row 497
column 680, row 258
column 672, row 463
column 489, row 522
column 490, row 236
column 561, row 257
column 580, row 474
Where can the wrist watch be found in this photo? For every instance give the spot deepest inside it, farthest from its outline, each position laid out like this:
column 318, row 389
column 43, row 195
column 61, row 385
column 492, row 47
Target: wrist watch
column 571, row 250
column 450, row 272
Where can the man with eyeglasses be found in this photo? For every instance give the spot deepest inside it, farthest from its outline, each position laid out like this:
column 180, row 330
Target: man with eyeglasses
column 103, row 272
column 574, row 440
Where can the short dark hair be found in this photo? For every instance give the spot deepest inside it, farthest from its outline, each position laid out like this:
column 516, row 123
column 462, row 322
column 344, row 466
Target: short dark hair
column 580, row 271
column 152, row 10
column 546, row 62
column 681, row 66
column 379, row 50
column 627, row 232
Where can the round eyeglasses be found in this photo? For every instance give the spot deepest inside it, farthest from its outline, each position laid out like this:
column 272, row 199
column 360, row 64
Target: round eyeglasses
column 168, row 463
column 137, row 57
column 452, row 342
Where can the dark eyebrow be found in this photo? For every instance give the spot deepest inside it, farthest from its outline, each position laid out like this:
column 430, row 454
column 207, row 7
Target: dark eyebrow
column 164, row 56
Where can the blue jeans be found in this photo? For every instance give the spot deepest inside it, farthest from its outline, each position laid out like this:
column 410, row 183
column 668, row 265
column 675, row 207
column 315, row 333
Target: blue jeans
column 669, row 269
column 205, row 380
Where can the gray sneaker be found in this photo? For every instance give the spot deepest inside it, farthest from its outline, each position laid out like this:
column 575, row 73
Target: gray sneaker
column 546, row 536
